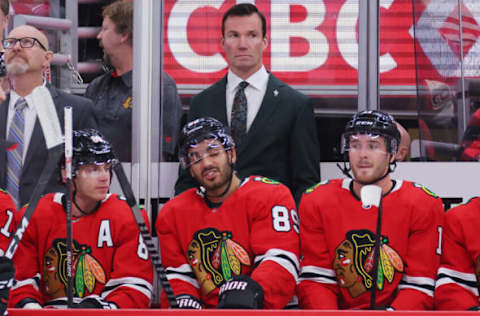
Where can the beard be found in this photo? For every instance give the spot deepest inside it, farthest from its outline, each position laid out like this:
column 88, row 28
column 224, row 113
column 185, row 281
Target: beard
column 17, row 68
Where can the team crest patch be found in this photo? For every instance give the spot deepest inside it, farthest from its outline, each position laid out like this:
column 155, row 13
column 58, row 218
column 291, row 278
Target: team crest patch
column 127, row 104
column 354, row 262
column 87, row 271
column 215, row 258
column 426, row 190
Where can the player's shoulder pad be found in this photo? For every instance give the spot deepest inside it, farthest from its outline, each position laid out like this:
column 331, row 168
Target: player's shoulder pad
column 425, row 190
column 314, row 187
column 265, row 180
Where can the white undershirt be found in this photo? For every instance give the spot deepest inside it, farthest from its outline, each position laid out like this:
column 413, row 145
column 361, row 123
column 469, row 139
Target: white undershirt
column 255, row 91
column 29, row 114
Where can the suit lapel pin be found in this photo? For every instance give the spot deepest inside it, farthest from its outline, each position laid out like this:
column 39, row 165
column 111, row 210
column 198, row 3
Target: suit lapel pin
column 275, row 92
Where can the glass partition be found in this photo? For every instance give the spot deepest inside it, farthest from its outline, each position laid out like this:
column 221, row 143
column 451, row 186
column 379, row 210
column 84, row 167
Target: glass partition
column 446, row 64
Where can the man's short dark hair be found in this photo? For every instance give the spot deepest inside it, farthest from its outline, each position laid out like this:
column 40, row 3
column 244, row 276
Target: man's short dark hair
column 5, row 7
column 244, row 9
column 121, row 14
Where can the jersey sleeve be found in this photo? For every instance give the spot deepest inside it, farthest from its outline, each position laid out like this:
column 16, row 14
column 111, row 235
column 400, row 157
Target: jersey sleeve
column 8, row 215
column 178, row 270
column 27, row 272
column 275, row 246
column 456, row 287
column 415, row 291
column 130, row 283
column 317, row 288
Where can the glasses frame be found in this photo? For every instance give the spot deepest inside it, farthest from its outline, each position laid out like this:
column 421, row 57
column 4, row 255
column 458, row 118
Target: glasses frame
column 10, row 43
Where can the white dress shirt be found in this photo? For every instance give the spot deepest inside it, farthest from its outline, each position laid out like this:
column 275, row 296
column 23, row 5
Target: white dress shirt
column 255, row 91
column 29, row 114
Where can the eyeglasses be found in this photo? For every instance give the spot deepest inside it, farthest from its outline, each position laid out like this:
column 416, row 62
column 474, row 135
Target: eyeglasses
column 25, row 42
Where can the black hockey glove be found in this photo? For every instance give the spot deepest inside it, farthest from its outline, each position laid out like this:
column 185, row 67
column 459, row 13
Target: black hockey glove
column 186, row 301
column 7, row 272
column 240, row 292
column 95, row 302
column 474, row 308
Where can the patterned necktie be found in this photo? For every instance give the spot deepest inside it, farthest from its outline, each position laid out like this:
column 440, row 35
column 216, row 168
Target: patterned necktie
column 15, row 156
column 239, row 114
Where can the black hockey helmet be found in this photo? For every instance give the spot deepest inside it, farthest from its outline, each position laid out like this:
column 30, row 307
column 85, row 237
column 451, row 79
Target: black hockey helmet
column 90, row 147
column 375, row 123
column 372, row 123
column 197, row 131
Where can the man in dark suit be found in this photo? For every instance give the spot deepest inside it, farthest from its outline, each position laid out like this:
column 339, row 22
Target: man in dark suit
column 26, row 58
column 281, row 137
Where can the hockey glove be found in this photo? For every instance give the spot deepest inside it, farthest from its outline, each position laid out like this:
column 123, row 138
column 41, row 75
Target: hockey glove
column 240, row 292
column 95, row 301
column 7, row 272
column 474, row 308
column 185, row 301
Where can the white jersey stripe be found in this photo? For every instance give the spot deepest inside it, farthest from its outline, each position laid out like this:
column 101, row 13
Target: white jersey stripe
column 183, row 273
column 129, row 280
column 446, row 280
column 422, row 284
column 468, row 277
column 318, row 280
column 422, row 281
column 138, row 284
column 318, row 270
column 318, row 274
column 421, row 289
column 32, row 281
column 141, row 289
column 277, row 255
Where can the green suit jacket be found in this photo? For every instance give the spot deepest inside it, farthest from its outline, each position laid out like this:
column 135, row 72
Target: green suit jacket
column 281, row 144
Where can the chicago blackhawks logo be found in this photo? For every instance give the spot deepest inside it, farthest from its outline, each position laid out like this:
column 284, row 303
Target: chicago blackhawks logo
column 215, row 258
column 354, row 262
column 86, row 269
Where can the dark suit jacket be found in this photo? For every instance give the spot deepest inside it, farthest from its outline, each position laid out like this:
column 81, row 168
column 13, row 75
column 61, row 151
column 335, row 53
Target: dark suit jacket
column 282, row 142
column 37, row 150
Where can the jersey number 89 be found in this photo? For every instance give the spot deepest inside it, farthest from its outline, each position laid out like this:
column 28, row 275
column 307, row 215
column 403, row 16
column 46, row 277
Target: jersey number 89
column 281, row 219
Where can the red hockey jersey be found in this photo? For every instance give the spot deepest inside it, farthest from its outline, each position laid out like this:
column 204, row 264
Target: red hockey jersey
column 457, row 279
column 7, row 220
column 337, row 236
column 109, row 257
column 254, row 232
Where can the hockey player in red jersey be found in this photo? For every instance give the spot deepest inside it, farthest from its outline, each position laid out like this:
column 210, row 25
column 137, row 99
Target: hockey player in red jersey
column 229, row 242
column 111, row 267
column 459, row 272
column 7, row 227
column 338, row 234
column 7, row 223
